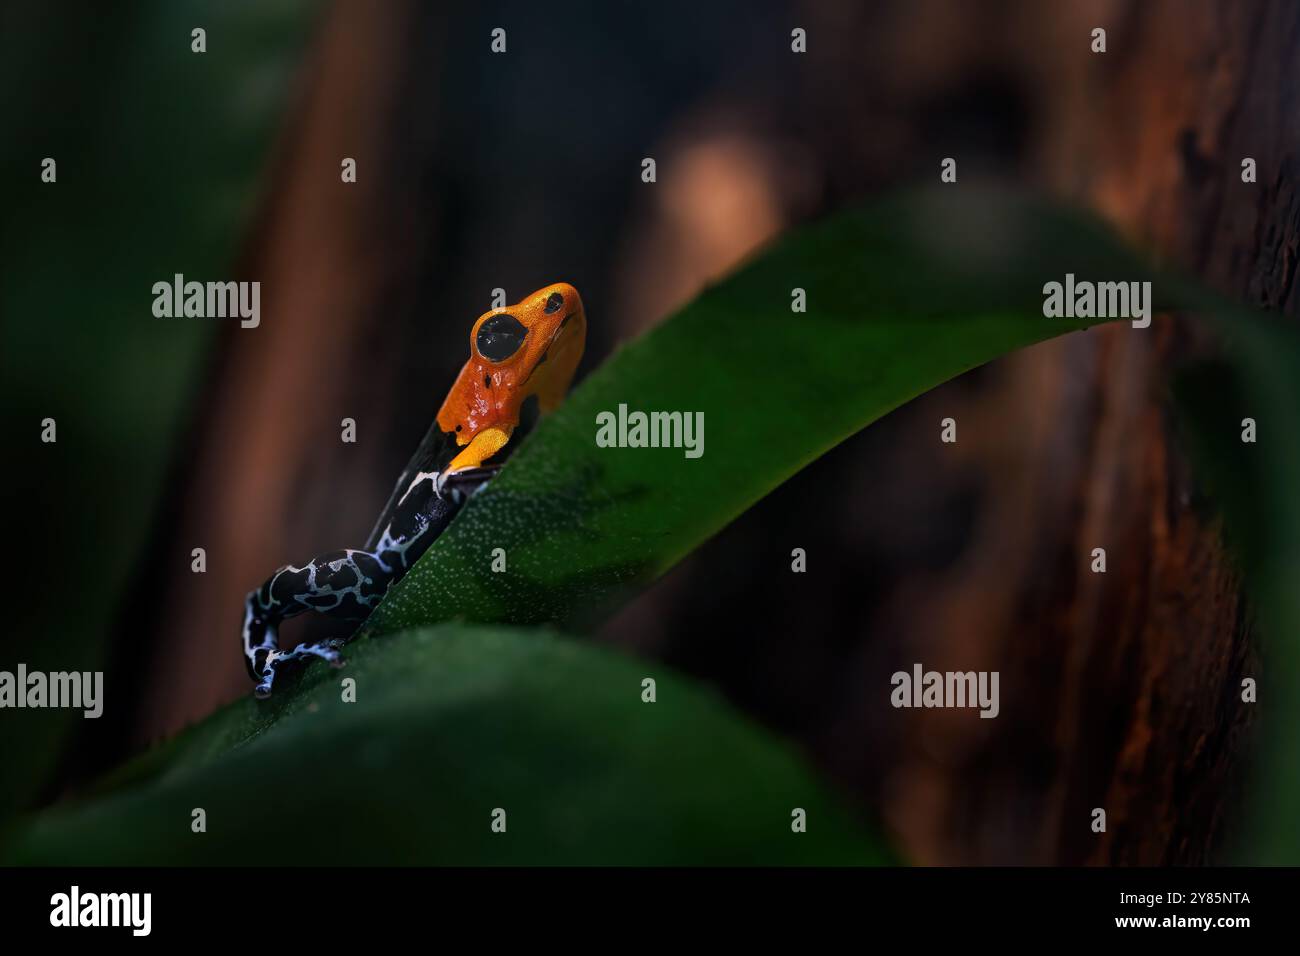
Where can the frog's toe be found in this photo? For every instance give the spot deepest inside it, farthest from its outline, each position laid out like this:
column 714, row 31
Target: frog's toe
column 327, row 651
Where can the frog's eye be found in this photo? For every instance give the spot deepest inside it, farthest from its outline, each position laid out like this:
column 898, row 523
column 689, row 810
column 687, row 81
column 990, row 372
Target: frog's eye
column 553, row 303
column 500, row 337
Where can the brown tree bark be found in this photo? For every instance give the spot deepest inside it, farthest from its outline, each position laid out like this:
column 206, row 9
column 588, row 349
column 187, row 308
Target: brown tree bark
column 269, row 479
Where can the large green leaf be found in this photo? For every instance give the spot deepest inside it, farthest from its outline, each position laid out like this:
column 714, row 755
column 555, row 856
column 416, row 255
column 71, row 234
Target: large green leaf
column 449, row 724
column 901, row 296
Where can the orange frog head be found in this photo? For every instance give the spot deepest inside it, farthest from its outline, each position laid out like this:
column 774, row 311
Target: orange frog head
column 530, row 348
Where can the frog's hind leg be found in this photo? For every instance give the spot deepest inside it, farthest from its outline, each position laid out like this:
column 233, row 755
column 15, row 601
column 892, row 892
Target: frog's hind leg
column 348, row 584
column 344, row 584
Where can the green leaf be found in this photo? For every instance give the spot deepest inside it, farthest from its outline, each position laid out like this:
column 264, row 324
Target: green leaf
column 901, row 296
column 449, row 724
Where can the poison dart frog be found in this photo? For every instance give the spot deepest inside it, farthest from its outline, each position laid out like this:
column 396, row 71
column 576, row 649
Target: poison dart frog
column 521, row 362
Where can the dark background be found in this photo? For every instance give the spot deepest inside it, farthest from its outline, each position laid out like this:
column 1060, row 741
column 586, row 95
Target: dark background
column 478, row 171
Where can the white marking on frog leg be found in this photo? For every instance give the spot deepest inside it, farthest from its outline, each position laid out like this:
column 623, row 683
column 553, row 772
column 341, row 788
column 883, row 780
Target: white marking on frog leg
column 248, row 626
column 360, row 579
column 363, row 578
column 399, row 546
column 420, row 476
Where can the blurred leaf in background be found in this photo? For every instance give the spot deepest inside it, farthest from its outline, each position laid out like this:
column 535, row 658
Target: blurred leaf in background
column 158, row 153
